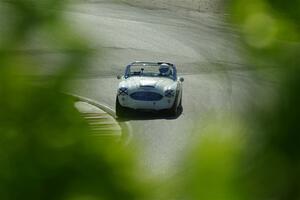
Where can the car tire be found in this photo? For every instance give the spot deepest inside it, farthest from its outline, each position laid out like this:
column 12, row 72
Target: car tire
column 174, row 109
column 180, row 103
column 120, row 110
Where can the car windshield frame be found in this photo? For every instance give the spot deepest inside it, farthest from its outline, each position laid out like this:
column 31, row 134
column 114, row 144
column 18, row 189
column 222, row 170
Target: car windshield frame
column 150, row 64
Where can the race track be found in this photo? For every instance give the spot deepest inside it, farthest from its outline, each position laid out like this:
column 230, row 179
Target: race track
column 205, row 50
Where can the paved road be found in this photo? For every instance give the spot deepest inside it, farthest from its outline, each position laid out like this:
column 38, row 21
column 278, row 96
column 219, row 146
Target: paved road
column 205, row 50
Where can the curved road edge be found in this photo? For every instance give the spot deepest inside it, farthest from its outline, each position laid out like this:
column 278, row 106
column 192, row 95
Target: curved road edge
column 125, row 126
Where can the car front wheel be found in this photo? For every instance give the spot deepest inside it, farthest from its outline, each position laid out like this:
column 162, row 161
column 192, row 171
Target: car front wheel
column 174, row 109
column 120, row 110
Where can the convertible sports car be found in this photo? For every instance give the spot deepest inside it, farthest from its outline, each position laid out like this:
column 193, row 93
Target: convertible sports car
column 149, row 86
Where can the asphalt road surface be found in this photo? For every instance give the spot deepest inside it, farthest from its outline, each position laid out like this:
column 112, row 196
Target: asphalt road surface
column 204, row 48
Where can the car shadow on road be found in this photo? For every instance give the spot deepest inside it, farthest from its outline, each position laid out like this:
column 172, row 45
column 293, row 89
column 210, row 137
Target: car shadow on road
column 146, row 115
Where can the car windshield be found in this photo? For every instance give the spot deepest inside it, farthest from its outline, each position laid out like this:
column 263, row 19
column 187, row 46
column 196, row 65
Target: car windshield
column 150, row 70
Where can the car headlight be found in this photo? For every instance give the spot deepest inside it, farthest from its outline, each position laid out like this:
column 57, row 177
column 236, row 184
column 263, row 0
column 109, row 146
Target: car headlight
column 169, row 93
column 123, row 91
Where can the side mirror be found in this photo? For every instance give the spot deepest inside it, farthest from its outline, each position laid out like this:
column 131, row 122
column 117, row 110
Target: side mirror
column 181, row 79
column 118, row 77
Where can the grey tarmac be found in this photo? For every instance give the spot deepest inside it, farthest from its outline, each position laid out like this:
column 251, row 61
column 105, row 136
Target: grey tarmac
column 206, row 50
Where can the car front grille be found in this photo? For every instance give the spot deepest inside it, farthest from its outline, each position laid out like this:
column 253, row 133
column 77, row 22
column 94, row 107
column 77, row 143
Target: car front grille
column 146, row 96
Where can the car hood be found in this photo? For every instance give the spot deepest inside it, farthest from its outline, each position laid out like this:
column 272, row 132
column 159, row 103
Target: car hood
column 158, row 83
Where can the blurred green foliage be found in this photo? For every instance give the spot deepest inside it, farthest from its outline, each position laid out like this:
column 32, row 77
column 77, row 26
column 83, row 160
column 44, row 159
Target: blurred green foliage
column 46, row 151
column 257, row 157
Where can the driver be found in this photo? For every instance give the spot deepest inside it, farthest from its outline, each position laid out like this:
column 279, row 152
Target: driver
column 164, row 70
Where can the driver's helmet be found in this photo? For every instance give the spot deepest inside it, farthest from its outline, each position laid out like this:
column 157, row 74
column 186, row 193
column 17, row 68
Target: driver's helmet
column 164, row 69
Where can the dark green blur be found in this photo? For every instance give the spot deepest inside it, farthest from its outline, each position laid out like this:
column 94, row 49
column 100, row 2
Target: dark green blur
column 46, row 151
column 258, row 156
